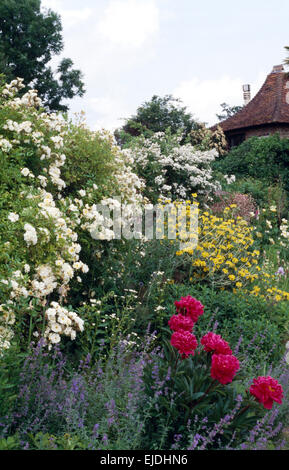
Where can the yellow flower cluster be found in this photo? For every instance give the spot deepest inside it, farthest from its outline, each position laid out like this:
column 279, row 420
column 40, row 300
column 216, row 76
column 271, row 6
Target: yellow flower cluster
column 219, row 250
column 224, row 251
column 224, row 255
column 268, row 291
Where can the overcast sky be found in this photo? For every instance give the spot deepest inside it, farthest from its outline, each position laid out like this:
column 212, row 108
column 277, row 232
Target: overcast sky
column 200, row 51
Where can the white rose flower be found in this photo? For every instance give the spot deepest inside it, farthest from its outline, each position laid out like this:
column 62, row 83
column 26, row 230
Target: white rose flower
column 54, row 338
column 25, row 171
column 72, row 335
column 63, row 319
column 13, row 217
column 26, row 268
column 30, row 235
column 56, row 327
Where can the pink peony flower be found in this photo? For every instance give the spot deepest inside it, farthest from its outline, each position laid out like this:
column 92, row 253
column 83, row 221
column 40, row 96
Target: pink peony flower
column 266, row 390
column 179, row 322
column 224, row 368
column 216, row 343
column 190, row 307
column 184, row 342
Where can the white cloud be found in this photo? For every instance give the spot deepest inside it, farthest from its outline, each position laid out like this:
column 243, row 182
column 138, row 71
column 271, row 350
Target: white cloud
column 203, row 97
column 129, row 23
column 73, row 17
column 110, row 112
column 52, row 4
column 69, row 17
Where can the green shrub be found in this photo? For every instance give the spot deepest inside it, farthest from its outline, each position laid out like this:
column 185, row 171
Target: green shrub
column 259, row 158
column 257, row 188
column 90, row 160
column 11, row 362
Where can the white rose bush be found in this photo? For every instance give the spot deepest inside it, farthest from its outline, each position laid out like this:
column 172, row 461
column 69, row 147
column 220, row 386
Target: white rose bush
column 40, row 224
column 173, row 170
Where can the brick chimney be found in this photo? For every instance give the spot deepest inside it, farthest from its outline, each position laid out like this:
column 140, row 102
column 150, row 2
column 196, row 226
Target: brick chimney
column 247, row 94
column 278, row 69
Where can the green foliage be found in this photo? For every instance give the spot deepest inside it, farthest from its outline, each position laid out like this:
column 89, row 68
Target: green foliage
column 64, row 84
column 287, row 58
column 157, row 115
column 264, row 194
column 257, row 188
column 271, row 229
column 228, row 111
column 90, row 161
column 263, row 159
column 45, row 441
column 10, row 443
column 206, row 139
column 109, row 319
column 118, row 293
column 11, row 362
column 135, row 265
column 29, row 38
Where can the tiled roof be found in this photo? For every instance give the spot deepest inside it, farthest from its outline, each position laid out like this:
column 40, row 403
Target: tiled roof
column 267, row 107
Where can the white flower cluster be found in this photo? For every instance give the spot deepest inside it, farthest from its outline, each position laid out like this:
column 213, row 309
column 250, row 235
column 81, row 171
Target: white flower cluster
column 16, row 284
column 176, row 170
column 57, row 141
column 26, row 172
column 61, row 321
column 284, row 233
column 230, row 179
column 5, row 145
column 30, row 235
column 67, row 260
column 118, row 218
column 7, row 318
column 130, row 186
column 284, row 229
column 14, row 126
column 54, row 173
column 54, row 122
column 44, row 283
column 13, row 217
column 46, row 221
column 10, row 89
column 29, row 100
column 50, row 223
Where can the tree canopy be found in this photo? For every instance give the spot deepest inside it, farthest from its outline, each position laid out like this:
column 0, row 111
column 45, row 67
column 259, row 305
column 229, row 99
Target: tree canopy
column 157, row 115
column 29, row 38
column 228, row 111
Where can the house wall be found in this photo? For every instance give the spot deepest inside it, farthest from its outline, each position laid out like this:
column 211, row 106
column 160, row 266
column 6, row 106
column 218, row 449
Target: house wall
column 236, row 137
column 264, row 131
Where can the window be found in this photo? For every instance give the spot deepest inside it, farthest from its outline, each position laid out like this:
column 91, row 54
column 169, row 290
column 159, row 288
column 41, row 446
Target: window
column 236, row 139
